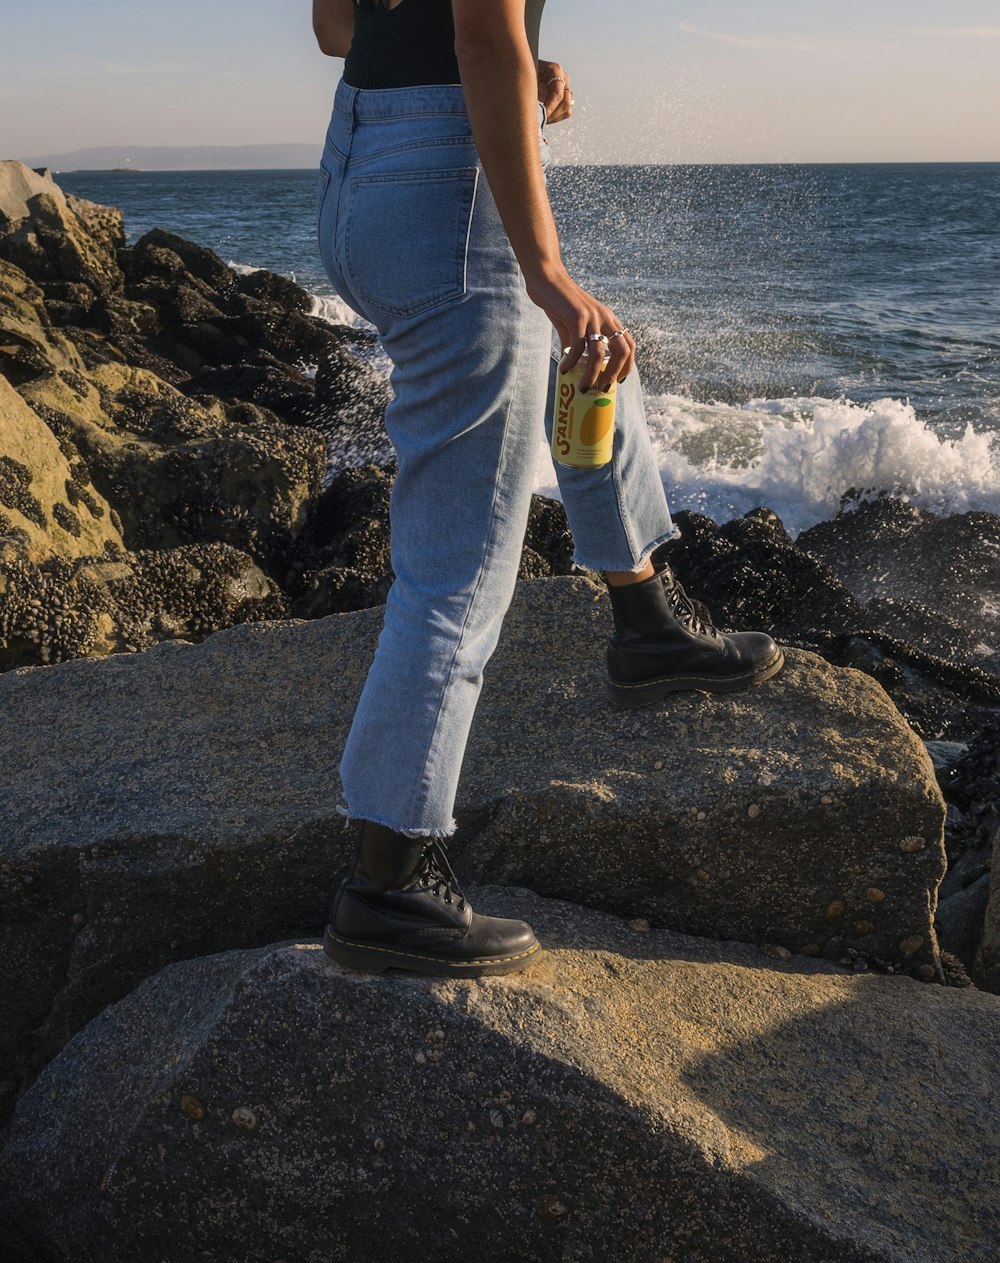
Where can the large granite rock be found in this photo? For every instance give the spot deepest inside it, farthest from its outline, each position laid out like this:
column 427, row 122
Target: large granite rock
column 182, row 802
column 634, row 1096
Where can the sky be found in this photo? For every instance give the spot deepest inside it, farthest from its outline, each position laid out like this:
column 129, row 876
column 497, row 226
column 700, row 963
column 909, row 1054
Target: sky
column 654, row 80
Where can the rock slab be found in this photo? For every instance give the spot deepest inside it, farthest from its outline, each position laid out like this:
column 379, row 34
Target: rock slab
column 159, row 806
column 634, row 1096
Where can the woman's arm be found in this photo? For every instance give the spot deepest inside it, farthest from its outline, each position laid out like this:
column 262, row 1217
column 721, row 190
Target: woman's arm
column 500, row 83
column 333, row 22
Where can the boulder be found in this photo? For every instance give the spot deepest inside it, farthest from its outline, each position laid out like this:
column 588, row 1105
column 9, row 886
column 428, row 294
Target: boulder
column 46, row 501
column 635, row 1095
column 179, row 802
column 66, row 244
column 58, row 610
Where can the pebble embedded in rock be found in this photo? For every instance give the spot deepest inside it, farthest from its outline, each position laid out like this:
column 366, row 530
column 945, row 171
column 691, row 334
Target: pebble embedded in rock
column 192, row 1107
column 863, row 927
column 244, row 1118
column 550, row 1207
column 777, row 951
column 753, row 811
column 529, row 1118
column 835, row 909
column 497, row 1119
column 640, row 924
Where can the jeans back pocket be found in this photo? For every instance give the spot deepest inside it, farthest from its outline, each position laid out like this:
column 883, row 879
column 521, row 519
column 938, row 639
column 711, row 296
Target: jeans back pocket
column 407, row 237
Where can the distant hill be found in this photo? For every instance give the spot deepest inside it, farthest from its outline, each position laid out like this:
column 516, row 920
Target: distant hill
column 181, row 157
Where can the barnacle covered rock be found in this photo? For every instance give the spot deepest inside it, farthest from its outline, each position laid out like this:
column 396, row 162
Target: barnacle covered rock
column 60, row 609
column 65, row 243
column 44, row 497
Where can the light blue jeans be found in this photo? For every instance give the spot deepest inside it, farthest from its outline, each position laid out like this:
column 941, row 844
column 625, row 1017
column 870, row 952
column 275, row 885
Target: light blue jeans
column 411, row 239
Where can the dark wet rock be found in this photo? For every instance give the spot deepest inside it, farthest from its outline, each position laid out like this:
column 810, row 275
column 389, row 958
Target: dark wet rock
column 752, row 576
column 183, row 801
column 960, row 921
column 635, row 1096
column 941, row 699
column 886, row 548
column 343, row 560
column 282, row 391
column 986, row 972
column 936, row 663
column 276, row 290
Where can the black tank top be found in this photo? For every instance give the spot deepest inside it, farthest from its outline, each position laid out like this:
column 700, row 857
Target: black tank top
column 412, row 44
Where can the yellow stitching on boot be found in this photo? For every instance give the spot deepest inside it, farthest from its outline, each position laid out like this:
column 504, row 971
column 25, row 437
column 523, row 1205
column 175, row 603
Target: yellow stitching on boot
column 441, row 960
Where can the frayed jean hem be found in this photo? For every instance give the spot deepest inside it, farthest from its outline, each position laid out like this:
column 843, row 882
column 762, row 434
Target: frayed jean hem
column 633, row 569
column 343, row 810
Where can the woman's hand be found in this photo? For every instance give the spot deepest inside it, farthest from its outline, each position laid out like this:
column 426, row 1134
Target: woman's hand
column 554, row 91
column 576, row 314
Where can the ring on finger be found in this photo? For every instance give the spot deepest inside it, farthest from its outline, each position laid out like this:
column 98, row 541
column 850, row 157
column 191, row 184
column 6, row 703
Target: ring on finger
column 597, row 337
column 619, row 333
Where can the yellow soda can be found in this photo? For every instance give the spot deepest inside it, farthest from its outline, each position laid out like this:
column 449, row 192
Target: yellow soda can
column 583, row 421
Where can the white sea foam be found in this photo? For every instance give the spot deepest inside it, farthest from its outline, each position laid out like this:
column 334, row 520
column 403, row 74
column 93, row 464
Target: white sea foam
column 333, row 310
column 801, row 456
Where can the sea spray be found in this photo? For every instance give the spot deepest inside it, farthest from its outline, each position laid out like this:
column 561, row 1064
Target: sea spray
column 804, row 457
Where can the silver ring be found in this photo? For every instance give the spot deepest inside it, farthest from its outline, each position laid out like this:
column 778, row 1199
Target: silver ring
column 620, row 333
column 555, row 79
column 597, row 337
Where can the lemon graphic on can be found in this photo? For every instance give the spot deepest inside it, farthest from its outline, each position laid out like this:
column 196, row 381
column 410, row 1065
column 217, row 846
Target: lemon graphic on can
column 597, row 420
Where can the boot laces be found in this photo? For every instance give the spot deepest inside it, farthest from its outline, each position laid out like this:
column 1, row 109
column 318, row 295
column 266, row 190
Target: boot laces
column 683, row 609
column 436, row 874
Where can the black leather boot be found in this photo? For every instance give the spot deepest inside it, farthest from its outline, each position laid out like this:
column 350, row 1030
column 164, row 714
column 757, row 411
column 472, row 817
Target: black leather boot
column 661, row 646
column 400, row 908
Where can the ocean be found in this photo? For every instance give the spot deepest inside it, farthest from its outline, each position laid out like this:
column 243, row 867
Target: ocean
column 810, row 335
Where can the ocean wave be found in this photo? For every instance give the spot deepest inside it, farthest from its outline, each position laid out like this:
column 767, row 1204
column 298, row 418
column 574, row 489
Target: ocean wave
column 806, row 457
column 335, row 311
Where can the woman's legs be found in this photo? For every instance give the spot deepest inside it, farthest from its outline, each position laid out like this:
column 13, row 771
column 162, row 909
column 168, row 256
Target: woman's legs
column 465, row 425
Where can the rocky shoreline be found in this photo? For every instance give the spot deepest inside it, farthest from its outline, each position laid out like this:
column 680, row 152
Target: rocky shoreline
column 188, row 599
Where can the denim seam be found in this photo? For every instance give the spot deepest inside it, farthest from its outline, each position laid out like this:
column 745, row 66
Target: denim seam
column 413, row 146
column 620, row 501
column 420, row 789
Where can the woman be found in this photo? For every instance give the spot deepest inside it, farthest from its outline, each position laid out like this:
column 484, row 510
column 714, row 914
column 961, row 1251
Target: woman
column 435, row 225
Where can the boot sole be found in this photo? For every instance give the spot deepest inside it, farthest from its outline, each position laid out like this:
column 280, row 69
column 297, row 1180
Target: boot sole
column 367, row 958
column 652, row 690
